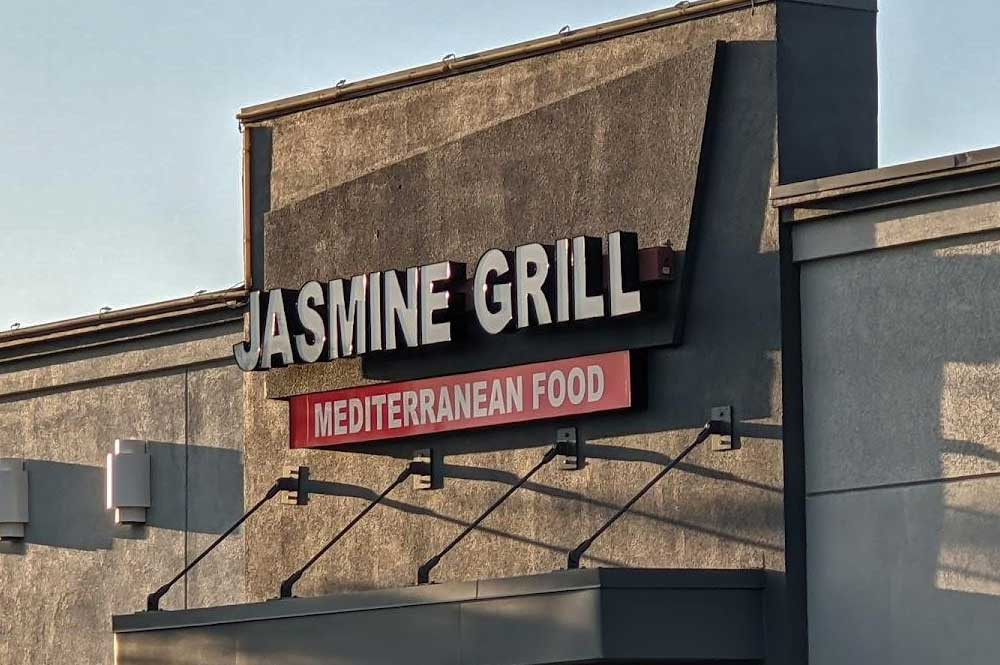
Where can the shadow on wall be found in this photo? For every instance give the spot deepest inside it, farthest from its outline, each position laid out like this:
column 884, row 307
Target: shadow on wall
column 192, row 488
column 965, row 569
column 730, row 353
column 731, row 349
column 697, row 521
column 916, row 380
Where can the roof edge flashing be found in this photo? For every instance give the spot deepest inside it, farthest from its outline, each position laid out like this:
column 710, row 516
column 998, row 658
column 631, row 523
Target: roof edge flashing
column 684, row 11
column 886, row 177
column 120, row 318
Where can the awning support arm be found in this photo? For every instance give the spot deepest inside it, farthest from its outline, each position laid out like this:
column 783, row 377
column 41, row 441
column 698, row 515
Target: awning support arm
column 424, row 572
column 418, row 468
column 710, row 428
column 288, row 484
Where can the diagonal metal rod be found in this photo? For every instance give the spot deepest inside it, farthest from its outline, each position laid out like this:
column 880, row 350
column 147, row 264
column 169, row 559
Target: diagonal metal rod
column 288, row 584
column 573, row 558
column 153, row 599
column 424, row 572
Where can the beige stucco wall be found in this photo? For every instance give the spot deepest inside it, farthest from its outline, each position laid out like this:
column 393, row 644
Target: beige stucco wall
column 75, row 568
column 591, row 139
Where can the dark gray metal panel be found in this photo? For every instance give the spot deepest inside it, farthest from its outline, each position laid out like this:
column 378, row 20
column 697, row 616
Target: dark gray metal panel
column 582, row 578
column 834, row 203
column 542, row 628
column 297, row 607
column 412, row 635
column 827, row 91
column 680, row 578
column 566, row 616
column 261, row 142
column 698, row 624
column 787, row 618
column 153, row 335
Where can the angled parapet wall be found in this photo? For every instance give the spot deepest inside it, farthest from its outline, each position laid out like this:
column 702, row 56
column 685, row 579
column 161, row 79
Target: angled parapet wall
column 669, row 129
column 663, row 132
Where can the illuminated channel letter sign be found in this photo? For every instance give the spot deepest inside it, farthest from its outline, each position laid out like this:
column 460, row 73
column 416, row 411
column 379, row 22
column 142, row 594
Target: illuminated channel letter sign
column 556, row 389
column 378, row 312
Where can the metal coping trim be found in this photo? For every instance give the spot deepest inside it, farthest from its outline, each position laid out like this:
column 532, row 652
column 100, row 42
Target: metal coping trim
column 585, row 579
column 684, row 11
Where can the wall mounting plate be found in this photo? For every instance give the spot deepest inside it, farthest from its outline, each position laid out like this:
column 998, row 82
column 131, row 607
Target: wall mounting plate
column 299, row 497
column 570, row 453
column 727, row 440
column 427, row 481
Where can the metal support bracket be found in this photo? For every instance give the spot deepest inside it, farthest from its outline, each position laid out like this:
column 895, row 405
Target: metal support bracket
column 570, row 450
column 724, row 440
column 299, row 496
column 427, row 472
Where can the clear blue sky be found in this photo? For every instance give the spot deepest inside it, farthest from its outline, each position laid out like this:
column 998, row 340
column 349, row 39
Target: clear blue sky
column 120, row 157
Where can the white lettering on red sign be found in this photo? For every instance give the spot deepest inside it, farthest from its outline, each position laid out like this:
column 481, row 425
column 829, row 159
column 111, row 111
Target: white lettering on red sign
column 515, row 394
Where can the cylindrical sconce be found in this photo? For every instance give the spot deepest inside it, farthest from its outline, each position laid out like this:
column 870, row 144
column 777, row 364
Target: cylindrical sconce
column 128, row 481
column 13, row 499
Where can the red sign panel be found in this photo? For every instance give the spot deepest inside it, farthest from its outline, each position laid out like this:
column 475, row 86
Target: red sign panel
column 462, row 401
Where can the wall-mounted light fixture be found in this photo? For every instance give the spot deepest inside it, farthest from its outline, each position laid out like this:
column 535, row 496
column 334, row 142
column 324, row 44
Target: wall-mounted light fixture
column 128, row 481
column 13, row 499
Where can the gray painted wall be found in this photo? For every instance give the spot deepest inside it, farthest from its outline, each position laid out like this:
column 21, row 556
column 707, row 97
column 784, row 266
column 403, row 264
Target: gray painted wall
column 901, row 359
column 75, row 568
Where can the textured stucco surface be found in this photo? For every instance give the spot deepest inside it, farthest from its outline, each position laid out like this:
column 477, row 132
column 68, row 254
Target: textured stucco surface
column 622, row 111
column 76, row 568
column 61, row 372
column 906, row 574
column 319, row 149
column 613, row 132
column 901, row 364
column 630, row 161
column 901, row 224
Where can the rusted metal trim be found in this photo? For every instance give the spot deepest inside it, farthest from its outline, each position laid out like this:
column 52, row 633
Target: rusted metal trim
column 493, row 57
column 247, row 228
column 196, row 304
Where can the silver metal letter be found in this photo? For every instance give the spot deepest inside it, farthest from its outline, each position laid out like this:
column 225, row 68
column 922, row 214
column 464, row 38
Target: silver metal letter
column 277, row 339
column 436, row 304
column 346, row 316
column 562, row 280
column 402, row 311
column 309, row 344
column 588, row 297
column 530, row 274
column 623, row 281
column 493, row 264
column 375, row 311
column 248, row 353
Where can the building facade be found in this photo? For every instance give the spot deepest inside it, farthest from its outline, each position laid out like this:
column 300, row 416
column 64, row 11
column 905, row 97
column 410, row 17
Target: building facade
column 896, row 271
column 845, row 321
